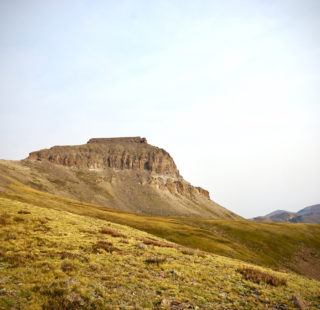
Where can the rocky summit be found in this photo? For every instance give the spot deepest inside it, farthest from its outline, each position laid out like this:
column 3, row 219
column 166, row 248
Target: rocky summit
column 118, row 153
column 124, row 173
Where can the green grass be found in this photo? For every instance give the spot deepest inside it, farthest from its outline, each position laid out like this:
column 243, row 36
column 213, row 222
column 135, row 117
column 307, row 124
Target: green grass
column 54, row 259
column 293, row 247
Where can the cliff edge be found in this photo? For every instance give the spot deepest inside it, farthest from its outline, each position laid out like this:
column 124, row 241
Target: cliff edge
column 123, row 173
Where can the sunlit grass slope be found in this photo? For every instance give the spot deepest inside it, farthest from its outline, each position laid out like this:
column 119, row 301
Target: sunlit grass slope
column 53, row 259
column 282, row 246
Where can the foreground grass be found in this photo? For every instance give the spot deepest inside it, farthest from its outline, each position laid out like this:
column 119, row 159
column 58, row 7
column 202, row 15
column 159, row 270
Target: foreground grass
column 53, row 259
column 294, row 247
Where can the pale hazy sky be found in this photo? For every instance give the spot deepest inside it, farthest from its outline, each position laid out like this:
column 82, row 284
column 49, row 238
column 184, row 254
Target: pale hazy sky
column 231, row 89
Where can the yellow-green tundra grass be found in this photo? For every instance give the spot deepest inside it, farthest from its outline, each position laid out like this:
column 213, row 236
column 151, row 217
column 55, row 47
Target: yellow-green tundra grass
column 280, row 246
column 51, row 259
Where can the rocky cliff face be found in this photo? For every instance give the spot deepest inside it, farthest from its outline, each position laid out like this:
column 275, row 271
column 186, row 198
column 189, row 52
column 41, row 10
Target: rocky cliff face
column 179, row 186
column 132, row 153
column 117, row 153
column 123, row 173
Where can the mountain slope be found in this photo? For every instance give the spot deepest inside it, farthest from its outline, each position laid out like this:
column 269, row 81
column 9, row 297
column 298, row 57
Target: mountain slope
column 123, row 173
column 306, row 215
column 276, row 213
column 56, row 260
column 315, row 209
column 249, row 241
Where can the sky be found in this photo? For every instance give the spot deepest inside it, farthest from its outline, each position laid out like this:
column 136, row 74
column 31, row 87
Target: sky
column 231, row 89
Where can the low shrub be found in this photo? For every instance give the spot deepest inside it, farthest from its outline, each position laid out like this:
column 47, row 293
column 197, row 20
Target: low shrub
column 107, row 246
column 60, row 298
column 67, row 266
column 17, row 259
column 10, row 236
column 24, row 212
column 18, row 219
column 65, row 255
column 156, row 243
column 112, row 232
column 258, row 276
column 188, row 251
column 42, row 228
column 88, row 231
column 42, row 220
column 4, row 219
column 155, row 260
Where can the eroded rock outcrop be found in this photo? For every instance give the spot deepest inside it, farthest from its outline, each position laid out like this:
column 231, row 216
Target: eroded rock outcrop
column 132, row 153
column 117, row 153
column 127, row 174
column 118, row 140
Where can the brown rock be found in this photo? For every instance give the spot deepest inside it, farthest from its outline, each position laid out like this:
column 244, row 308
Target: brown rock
column 165, row 303
column 177, row 305
column 299, row 302
column 142, row 246
column 117, row 153
column 203, row 192
column 74, row 300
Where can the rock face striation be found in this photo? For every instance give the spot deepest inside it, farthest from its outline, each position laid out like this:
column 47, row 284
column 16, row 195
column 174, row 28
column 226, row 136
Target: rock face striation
column 129, row 174
column 117, row 153
column 118, row 140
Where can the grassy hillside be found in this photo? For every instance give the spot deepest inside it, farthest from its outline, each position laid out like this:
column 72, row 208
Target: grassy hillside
column 282, row 246
column 135, row 191
column 53, row 259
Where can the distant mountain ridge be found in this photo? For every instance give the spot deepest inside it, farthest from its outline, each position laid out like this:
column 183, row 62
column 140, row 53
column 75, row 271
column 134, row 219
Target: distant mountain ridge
column 315, row 209
column 309, row 214
column 275, row 213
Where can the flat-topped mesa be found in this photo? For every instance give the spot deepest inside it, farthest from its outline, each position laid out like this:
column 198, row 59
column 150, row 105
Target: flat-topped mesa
column 126, row 173
column 117, row 153
column 127, row 153
column 118, row 140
